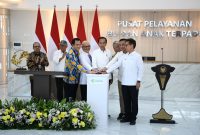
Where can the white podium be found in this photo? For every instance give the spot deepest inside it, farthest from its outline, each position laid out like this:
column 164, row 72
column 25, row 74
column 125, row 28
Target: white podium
column 97, row 96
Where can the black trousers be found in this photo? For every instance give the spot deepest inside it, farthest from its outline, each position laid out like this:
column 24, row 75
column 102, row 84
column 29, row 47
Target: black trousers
column 130, row 95
column 83, row 92
column 31, row 81
column 59, row 86
column 70, row 91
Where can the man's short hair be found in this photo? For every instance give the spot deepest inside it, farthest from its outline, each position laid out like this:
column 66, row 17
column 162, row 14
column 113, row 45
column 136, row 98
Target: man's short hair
column 116, row 43
column 63, row 42
column 131, row 42
column 74, row 40
column 85, row 42
column 122, row 39
column 36, row 43
column 102, row 38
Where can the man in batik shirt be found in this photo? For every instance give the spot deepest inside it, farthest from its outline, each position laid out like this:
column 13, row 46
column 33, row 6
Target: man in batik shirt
column 73, row 68
column 37, row 61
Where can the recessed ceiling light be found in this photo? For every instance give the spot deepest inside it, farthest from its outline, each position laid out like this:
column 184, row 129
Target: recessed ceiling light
column 2, row 4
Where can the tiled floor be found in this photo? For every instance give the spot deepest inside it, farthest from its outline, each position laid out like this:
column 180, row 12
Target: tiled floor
column 186, row 112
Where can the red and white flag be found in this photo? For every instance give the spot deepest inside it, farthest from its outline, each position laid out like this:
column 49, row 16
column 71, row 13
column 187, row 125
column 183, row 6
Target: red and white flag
column 81, row 28
column 95, row 32
column 68, row 35
column 39, row 32
column 54, row 39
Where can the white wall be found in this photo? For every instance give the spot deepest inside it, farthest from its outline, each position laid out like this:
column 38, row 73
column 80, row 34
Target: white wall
column 175, row 49
column 111, row 4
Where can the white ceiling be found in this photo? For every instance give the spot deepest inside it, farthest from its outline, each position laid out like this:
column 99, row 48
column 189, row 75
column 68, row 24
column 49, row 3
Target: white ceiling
column 103, row 4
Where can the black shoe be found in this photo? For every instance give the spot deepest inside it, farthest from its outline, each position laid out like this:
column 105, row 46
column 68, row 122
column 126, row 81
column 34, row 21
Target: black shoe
column 124, row 120
column 120, row 116
column 132, row 122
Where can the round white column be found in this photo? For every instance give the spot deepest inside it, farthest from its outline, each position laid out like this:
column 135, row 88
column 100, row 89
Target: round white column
column 4, row 43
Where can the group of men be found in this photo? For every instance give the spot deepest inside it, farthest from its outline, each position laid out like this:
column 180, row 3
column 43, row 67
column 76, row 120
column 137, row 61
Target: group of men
column 78, row 61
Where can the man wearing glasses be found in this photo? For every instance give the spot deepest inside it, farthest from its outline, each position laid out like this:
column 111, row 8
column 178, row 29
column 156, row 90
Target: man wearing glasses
column 73, row 69
column 37, row 61
column 86, row 61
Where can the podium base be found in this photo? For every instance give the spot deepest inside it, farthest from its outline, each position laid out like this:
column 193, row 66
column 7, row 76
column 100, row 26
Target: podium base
column 163, row 121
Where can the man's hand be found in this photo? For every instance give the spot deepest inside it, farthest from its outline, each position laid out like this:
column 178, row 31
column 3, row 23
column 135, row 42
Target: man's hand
column 92, row 72
column 37, row 60
column 42, row 60
column 138, row 85
column 63, row 56
column 95, row 69
column 104, row 72
column 103, row 69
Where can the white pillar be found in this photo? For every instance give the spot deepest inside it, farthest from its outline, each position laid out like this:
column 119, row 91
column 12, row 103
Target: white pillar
column 4, row 43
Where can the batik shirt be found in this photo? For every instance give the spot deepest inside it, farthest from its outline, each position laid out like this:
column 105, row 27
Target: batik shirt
column 73, row 68
column 35, row 62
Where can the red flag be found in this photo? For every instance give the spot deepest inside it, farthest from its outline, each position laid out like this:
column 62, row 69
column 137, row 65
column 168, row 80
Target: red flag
column 39, row 31
column 68, row 35
column 54, row 30
column 54, row 39
column 81, row 29
column 95, row 32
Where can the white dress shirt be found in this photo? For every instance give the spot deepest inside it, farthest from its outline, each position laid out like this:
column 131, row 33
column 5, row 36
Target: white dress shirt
column 58, row 66
column 86, row 63
column 132, row 68
column 114, row 60
column 101, row 58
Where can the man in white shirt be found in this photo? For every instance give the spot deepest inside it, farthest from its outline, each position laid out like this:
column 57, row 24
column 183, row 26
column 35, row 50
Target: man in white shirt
column 116, row 47
column 86, row 61
column 118, row 55
column 101, row 56
column 59, row 65
column 132, row 71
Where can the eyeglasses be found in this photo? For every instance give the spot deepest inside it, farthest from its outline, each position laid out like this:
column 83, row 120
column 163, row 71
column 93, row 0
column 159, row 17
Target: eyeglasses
column 86, row 46
column 37, row 46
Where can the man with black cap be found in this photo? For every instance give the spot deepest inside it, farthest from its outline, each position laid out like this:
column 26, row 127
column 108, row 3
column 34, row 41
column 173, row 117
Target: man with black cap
column 59, row 65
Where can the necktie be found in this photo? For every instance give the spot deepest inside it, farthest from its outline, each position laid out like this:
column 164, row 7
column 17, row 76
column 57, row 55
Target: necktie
column 90, row 57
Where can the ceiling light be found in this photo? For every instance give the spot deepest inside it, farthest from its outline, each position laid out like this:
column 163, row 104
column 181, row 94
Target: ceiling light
column 11, row 1
column 2, row 4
